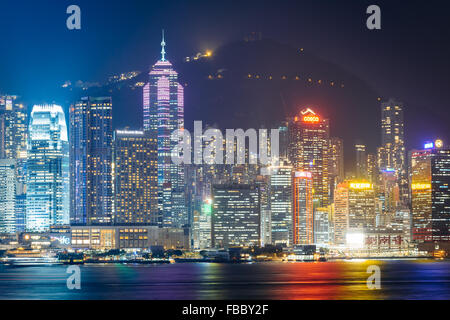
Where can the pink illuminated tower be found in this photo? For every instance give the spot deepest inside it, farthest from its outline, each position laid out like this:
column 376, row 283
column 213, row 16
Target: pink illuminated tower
column 164, row 113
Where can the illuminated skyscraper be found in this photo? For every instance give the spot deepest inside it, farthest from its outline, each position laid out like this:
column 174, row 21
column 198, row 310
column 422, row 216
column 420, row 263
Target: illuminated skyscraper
column 135, row 178
column 47, row 169
column 355, row 208
column 303, row 218
column 323, row 225
column 91, row 139
column 163, row 107
column 361, row 161
column 430, row 193
column 236, row 216
column 13, row 128
column 392, row 154
column 337, row 159
column 281, row 205
column 7, row 195
column 309, row 151
column 372, row 168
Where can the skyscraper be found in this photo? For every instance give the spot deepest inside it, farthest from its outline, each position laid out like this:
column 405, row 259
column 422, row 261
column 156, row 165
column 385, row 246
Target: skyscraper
column 337, row 159
column 47, row 201
column 303, row 223
column 361, row 161
column 281, row 205
column 163, row 107
column 355, row 208
column 430, row 193
column 236, row 216
column 392, row 154
column 7, row 195
column 91, row 139
column 309, row 151
column 135, row 180
column 13, row 128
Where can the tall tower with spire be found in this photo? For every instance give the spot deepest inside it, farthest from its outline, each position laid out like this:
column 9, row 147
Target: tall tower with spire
column 163, row 107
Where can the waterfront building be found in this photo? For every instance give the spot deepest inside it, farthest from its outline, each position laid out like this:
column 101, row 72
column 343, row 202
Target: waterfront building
column 430, row 194
column 355, row 208
column 91, row 141
column 303, row 217
column 323, row 225
column 236, row 219
column 135, row 178
column 47, row 197
column 281, row 205
column 128, row 237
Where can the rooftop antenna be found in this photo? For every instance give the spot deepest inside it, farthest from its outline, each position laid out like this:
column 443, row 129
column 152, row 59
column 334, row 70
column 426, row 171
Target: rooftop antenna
column 163, row 45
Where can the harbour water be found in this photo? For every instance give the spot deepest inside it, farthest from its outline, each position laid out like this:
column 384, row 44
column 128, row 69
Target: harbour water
column 400, row 279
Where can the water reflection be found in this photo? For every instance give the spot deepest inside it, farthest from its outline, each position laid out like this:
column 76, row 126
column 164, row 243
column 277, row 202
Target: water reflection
column 415, row 279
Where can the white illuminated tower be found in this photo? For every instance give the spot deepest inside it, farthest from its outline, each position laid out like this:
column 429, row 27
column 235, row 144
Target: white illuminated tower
column 164, row 113
column 47, row 201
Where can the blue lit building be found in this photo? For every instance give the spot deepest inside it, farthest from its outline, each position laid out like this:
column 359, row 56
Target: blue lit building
column 47, row 201
column 91, row 142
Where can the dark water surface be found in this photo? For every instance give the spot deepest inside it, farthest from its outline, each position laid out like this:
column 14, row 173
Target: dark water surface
column 400, row 279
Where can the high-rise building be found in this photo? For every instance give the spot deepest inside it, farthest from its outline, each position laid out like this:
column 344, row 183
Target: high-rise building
column 135, row 178
column 263, row 183
column 91, row 139
column 372, row 168
column 355, row 208
column 309, row 151
column 303, row 217
column 13, row 128
column 323, row 225
column 281, row 205
column 236, row 216
column 361, row 161
column 337, row 159
column 430, row 193
column 392, row 154
column 163, row 107
column 7, row 196
column 47, row 169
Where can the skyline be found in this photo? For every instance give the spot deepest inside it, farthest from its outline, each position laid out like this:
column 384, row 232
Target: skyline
column 411, row 70
column 224, row 150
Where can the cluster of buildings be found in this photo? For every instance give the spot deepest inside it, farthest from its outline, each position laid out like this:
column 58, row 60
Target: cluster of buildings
column 100, row 188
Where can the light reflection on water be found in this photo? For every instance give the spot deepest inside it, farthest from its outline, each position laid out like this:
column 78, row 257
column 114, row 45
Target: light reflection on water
column 414, row 279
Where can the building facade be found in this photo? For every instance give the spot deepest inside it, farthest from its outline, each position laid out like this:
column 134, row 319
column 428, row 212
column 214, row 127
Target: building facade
column 281, row 205
column 236, row 216
column 163, row 113
column 303, row 216
column 135, row 178
column 48, row 194
column 91, row 141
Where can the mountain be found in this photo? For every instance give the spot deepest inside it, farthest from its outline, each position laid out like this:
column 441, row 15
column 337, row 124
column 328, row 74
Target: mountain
column 260, row 83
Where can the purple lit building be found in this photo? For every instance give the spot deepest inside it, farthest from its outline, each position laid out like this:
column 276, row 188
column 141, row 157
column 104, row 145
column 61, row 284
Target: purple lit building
column 163, row 113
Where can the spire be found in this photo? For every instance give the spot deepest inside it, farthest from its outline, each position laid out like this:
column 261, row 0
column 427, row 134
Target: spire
column 163, row 45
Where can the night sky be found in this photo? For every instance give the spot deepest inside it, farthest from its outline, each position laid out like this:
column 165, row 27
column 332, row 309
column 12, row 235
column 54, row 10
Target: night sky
column 407, row 59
